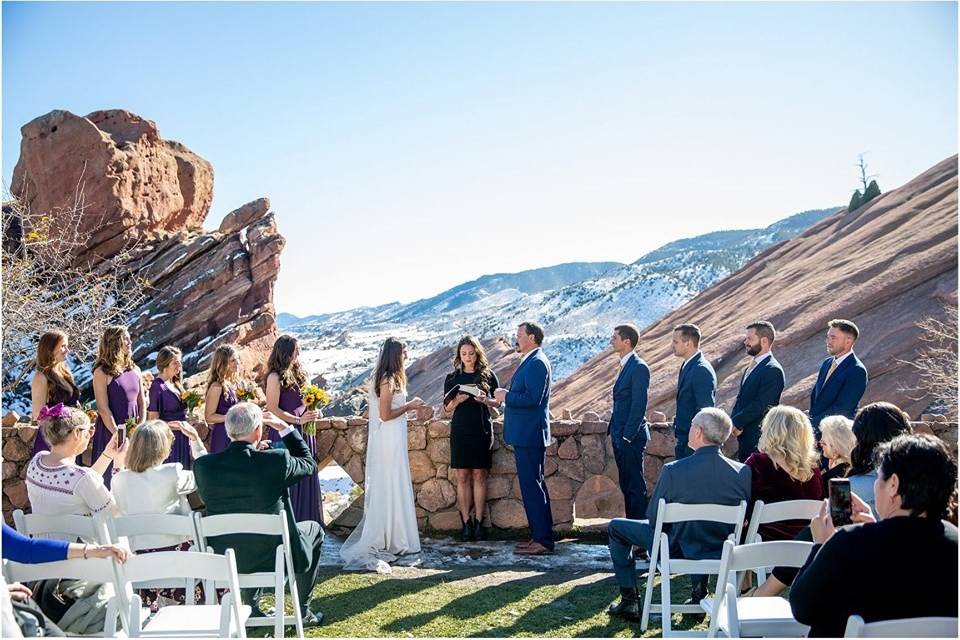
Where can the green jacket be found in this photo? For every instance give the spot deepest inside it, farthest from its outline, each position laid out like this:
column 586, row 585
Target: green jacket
column 241, row 479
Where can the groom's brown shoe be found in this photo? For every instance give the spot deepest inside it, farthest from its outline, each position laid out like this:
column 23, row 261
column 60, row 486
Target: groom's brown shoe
column 535, row 549
column 523, row 545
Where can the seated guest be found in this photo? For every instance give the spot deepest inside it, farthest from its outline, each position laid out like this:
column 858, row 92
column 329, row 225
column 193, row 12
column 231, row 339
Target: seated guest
column 873, row 425
column 148, row 485
column 705, row 477
column 787, row 467
column 916, row 482
column 56, row 485
column 837, row 441
column 245, row 479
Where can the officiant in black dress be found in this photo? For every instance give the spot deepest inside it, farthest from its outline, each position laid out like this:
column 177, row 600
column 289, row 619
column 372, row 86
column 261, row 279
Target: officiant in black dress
column 471, row 430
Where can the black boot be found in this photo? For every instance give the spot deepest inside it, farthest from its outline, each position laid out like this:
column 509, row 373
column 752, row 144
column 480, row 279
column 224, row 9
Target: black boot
column 466, row 534
column 629, row 605
column 479, row 533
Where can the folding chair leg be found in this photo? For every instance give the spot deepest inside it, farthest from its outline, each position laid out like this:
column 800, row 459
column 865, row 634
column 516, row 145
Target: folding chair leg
column 665, row 600
column 648, row 594
column 279, row 602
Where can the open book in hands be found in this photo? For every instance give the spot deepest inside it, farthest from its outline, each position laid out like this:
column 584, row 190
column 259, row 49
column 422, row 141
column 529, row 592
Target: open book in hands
column 469, row 389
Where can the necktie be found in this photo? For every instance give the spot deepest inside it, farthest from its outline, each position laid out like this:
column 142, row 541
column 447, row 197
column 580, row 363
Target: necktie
column 746, row 372
column 833, row 367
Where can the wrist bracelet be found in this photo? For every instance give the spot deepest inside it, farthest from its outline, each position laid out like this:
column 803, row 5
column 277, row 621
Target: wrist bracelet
column 106, row 456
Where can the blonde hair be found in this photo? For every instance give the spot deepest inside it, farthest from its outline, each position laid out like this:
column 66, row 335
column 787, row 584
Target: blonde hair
column 838, row 432
column 218, row 367
column 150, row 445
column 787, row 437
column 111, row 358
column 56, row 430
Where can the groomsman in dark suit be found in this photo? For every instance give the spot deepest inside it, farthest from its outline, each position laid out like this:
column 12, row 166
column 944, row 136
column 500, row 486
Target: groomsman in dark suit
column 526, row 427
column 696, row 384
column 628, row 425
column 760, row 387
column 842, row 378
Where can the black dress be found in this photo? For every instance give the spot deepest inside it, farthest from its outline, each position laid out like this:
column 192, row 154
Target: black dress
column 471, row 429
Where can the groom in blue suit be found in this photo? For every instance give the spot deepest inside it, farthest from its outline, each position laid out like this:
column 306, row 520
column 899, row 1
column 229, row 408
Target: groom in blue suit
column 526, row 427
column 696, row 384
column 628, row 430
column 842, row 378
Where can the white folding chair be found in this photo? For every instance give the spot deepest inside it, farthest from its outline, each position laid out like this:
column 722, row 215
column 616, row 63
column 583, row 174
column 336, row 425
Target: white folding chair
column 224, row 620
column 778, row 512
column 83, row 527
column 95, row 570
column 268, row 525
column 129, row 531
column 905, row 628
column 660, row 561
column 754, row 617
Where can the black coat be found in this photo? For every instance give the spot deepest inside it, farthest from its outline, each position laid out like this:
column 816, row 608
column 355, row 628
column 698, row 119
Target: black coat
column 241, row 479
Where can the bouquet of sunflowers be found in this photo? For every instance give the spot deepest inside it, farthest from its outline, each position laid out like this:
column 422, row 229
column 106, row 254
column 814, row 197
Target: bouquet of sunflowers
column 313, row 397
column 192, row 399
column 246, row 391
column 90, row 408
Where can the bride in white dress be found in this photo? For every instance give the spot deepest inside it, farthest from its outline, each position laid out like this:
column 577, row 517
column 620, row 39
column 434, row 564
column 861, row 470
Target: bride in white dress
column 388, row 528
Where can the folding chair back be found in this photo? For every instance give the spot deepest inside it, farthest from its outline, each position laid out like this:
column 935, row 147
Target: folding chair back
column 660, row 561
column 764, row 513
column 905, row 628
column 94, row 570
column 129, row 531
column 755, row 616
column 71, row 526
column 259, row 524
column 223, row 620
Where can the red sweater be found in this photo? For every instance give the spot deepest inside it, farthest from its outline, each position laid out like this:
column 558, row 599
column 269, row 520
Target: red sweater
column 773, row 484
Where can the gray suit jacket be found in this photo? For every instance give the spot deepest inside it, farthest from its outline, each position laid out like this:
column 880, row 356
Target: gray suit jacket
column 706, row 477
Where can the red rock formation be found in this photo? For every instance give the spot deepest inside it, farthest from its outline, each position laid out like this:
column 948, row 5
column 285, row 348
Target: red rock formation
column 132, row 183
column 885, row 266
column 203, row 288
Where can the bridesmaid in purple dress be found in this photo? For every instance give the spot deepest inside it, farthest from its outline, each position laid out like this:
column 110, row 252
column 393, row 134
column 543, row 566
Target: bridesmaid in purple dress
column 52, row 383
column 165, row 404
column 221, row 394
column 284, row 378
column 117, row 388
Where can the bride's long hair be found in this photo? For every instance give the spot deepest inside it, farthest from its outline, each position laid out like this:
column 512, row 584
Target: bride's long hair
column 390, row 366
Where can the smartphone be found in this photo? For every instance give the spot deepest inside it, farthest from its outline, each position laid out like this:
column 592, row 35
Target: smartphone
column 121, row 434
column 841, row 506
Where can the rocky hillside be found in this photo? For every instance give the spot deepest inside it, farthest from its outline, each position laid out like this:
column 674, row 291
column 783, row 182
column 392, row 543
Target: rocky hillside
column 886, row 266
column 578, row 304
column 204, row 288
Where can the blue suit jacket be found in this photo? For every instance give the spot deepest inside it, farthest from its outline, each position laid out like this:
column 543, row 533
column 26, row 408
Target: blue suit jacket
column 758, row 392
column 706, row 477
column 695, row 390
column 526, row 417
column 629, row 419
column 841, row 394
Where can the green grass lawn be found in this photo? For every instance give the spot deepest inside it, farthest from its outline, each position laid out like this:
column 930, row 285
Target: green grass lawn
column 459, row 604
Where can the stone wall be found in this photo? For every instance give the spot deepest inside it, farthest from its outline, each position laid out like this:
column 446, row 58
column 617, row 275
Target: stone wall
column 580, row 469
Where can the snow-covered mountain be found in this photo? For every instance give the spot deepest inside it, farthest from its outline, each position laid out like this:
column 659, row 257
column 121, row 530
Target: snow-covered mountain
column 578, row 304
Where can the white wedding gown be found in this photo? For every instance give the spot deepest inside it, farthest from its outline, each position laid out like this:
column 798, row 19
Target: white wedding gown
column 389, row 525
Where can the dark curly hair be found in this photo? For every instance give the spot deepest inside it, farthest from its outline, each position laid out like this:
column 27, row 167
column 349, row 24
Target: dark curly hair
column 873, row 425
column 926, row 471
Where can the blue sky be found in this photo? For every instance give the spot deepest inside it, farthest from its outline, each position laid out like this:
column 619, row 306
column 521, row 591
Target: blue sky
column 409, row 147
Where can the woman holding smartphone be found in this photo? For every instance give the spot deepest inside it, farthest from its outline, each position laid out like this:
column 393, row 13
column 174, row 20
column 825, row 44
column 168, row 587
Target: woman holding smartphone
column 471, row 431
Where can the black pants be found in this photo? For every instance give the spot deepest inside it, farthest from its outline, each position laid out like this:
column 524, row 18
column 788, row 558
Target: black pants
column 312, row 535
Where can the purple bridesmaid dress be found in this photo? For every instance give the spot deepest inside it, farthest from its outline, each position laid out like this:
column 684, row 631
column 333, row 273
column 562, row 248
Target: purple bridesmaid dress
column 69, row 399
column 122, row 395
column 218, row 430
column 305, row 496
column 171, row 408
